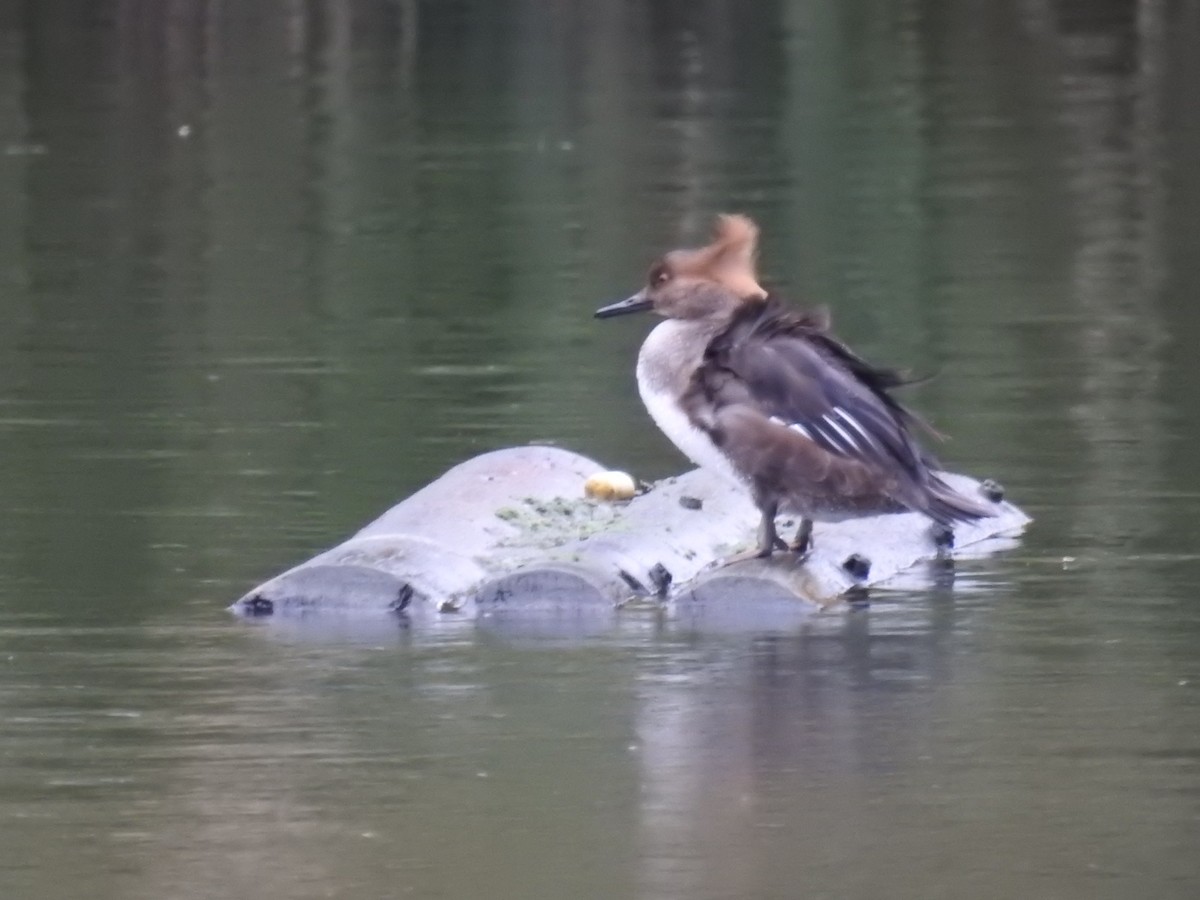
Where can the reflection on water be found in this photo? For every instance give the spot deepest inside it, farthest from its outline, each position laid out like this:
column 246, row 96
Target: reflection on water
column 263, row 270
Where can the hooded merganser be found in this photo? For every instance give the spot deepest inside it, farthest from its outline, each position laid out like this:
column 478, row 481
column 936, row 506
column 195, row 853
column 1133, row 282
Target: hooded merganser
column 768, row 397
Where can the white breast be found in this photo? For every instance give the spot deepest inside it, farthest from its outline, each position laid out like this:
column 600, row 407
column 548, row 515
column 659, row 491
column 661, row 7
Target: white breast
column 668, row 357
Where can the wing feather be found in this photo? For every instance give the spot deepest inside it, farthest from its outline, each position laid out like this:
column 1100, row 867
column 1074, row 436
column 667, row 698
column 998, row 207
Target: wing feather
column 789, row 368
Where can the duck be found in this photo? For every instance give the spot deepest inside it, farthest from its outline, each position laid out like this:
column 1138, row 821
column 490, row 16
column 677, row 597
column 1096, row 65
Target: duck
column 764, row 395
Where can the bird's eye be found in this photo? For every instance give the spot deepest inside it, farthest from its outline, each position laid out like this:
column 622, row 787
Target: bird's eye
column 659, row 275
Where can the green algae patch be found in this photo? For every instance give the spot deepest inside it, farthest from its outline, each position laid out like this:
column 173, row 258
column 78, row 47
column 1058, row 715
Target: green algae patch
column 544, row 524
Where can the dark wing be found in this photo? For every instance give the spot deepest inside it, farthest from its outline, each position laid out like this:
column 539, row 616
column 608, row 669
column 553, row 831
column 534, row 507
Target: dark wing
column 786, row 366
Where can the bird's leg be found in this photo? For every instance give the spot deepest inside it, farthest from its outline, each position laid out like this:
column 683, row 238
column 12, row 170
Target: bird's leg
column 768, row 538
column 803, row 542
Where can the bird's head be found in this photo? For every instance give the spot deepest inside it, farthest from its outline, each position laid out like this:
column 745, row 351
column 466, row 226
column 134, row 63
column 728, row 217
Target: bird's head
column 706, row 283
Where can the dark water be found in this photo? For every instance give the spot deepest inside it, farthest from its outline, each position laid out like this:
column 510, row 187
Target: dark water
column 266, row 268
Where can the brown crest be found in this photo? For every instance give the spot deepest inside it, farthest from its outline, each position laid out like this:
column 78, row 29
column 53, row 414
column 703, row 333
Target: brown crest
column 731, row 258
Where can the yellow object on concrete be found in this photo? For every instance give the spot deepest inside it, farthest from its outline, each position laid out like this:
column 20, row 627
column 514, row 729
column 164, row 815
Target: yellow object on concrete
column 610, row 485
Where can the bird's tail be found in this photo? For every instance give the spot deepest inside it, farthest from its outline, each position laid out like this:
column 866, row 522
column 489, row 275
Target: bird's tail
column 947, row 506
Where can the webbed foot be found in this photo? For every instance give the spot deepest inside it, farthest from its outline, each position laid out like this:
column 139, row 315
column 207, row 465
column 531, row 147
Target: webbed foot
column 803, row 542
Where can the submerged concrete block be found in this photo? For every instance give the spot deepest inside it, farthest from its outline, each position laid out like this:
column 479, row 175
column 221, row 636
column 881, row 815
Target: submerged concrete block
column 511, row 532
